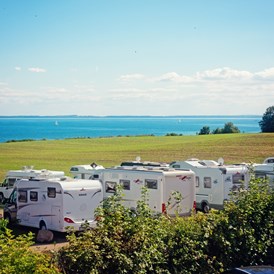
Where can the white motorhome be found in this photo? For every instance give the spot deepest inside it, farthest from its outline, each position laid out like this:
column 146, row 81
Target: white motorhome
column 92, row 171
column 162, row 184
column 26, row 173
column 54, row 204
column 214, row 181
column 265, row 170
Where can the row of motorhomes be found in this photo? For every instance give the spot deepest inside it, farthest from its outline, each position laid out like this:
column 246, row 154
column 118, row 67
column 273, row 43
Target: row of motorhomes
column 49, row 200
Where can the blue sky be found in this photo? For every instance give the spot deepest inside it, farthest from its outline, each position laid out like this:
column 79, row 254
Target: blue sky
column 138, row 57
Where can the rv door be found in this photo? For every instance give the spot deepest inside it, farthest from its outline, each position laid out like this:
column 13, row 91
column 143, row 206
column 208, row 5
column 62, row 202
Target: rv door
column 10, row 209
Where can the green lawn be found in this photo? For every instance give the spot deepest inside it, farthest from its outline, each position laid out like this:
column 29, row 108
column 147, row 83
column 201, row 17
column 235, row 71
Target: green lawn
column 62, row 154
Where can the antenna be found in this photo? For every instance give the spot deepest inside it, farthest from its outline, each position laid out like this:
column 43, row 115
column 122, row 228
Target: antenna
column 138, row 159
column 221, row 161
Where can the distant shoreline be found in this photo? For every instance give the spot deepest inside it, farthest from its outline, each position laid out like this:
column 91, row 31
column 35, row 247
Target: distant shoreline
column 128, row 116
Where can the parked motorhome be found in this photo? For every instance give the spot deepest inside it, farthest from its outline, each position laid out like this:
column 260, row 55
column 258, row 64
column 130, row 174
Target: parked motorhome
column 163, row 185
column 92, row 171
column 54, row 204
column 26, row 173
column 265, row 170
column 214, row 181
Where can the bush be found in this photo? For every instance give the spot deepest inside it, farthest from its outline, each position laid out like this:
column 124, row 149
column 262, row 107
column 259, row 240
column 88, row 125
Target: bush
column 16, row 256
column 142, row 242
column 243, row 233
column 204, row 130
column 228, row 128
column 123, row 242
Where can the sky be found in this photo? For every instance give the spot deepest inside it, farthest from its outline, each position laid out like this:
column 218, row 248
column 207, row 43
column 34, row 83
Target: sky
column 136, row 57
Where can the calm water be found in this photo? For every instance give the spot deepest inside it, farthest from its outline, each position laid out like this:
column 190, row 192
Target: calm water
column 18, row 128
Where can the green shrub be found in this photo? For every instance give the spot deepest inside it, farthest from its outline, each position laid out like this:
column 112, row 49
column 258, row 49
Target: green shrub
column 204, row 130
column 16, row 256
column 142, row 242
column 123, row 242
column 243, row 233
column 187, row 246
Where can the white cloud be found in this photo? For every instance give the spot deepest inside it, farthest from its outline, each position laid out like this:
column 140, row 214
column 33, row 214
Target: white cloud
column 131, row 77
column 18, row 68
column 217, row 91
column 265, row 74
column 173, row 77
column 38, row 70
column 223, row 74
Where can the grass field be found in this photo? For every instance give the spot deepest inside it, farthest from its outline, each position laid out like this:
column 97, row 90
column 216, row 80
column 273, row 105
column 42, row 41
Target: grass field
column 62, row 154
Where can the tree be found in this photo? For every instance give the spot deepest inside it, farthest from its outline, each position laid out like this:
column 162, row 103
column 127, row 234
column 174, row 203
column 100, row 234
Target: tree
column 230, row 128
column 267, row 122
column 204, row 130
column 217, row 131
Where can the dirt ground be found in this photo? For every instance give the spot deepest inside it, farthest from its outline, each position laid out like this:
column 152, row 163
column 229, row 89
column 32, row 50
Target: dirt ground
column 48, row 247
column 59, row 241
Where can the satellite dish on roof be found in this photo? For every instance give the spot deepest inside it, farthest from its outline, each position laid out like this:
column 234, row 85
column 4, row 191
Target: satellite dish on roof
column 221, row 161
column 138, row 159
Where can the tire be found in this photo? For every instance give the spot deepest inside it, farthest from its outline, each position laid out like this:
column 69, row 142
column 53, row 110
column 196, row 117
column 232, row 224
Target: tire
column 205, row 207
column 43, row 226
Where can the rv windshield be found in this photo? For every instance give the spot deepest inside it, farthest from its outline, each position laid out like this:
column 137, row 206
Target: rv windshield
column 9, row 182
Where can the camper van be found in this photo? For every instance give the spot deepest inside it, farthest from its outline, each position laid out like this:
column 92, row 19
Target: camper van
column 163, row 185
column 214, row 181
column 26, row 173
column 265, row 170
column 54, row 204
column 91, row 171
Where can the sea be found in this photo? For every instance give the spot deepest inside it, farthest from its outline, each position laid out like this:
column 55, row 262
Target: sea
column 16, row 128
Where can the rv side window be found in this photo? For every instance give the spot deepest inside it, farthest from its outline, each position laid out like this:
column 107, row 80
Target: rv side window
column 125, row 184
column 51, row 192
column 207, row 182
column 152, row 184
column 22, row 197
column 238, row 178
column 33, row 196
column 197, row 181
column 110, row 187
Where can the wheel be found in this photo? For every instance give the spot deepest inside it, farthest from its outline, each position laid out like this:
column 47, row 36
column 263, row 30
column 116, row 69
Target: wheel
column 205, row 207
column 1, row 198
column 43, row 226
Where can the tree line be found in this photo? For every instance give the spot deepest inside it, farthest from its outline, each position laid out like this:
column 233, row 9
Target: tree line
column 266, row 125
